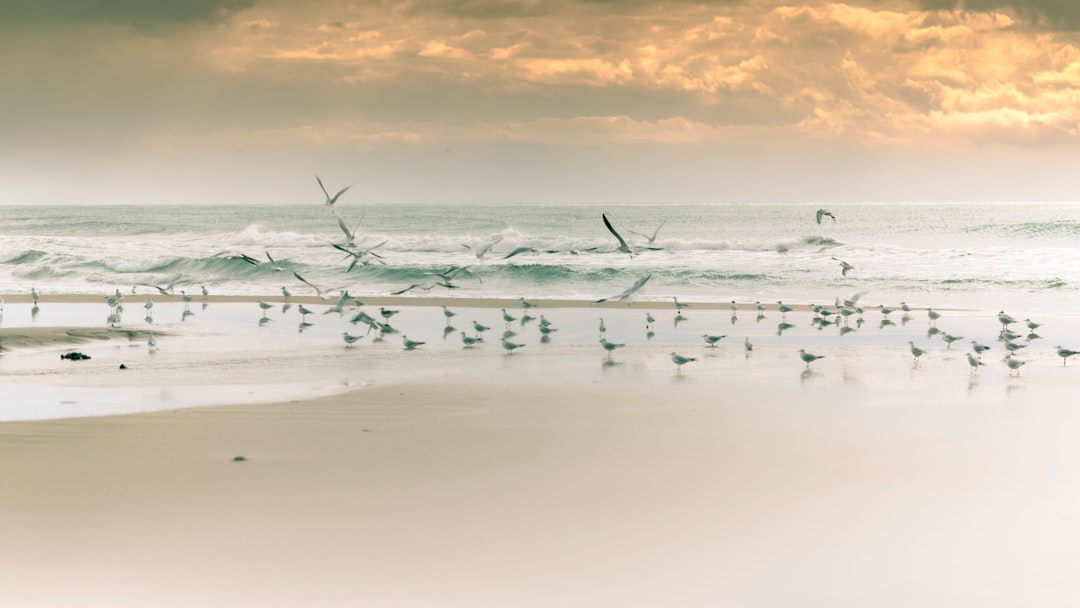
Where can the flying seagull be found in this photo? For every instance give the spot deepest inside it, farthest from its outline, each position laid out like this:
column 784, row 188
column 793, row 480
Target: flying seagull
column 844, row 267
column 305, row 282
column 482, row 251
column 330, row 200
column 650, row 239
column 824, row 212
column 629, row 292
column 623, row 246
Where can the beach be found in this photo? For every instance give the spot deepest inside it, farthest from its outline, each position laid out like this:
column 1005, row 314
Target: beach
column 554, row 475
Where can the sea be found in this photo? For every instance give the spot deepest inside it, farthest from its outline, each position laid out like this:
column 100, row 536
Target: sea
column 1013, row 256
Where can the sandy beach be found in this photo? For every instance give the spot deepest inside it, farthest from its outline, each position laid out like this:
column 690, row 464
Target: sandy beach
column 553, row 476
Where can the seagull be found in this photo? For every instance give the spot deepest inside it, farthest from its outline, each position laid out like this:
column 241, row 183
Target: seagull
column 809, row 358
column 712, row 340
column 205, row 292
column 469, row 341
column 510, row 346
column 844, row 267
column 610, row 346
column 448, row 314
column 304, row 312
column 949, row 339
column 1065, row 353
column 479, row 328
column 747, row 345
column 1032, row 325
column 507, row 317
column 285, row 294
column 318, row 291
column 650, row 239
column 649, row 320
column 1005, row 320
column 273, row 264
column 525, row 304
column 149, row 305
column 904, row 307
column 622, row 297
column 151, row 343
column 350, row 235
column 265, row 306
column 330, row 200
column 916, row 351
column 824, row 212
column 933, row 315
column 359, row 255
column 411, row 344
column 482, row 251
column 387, row 313
column 350, row 339
column 979, row 348
column 974, row 363
column 623, row 246
column 518, row 251
column 1014, row 364
column 680, row 360
column 603, row 328
column 34, row 295
column 783, row 308
column 679, row 305
column 1012, row 347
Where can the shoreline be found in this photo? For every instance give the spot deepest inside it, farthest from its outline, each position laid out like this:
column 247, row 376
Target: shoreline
column 469, row 302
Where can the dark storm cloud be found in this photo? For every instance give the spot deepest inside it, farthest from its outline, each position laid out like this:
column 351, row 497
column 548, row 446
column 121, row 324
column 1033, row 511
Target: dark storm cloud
column 135, row 12
column 1063, row 14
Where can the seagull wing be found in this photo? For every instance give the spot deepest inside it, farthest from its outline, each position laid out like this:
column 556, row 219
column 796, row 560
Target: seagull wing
column 518, row 251
column 820, row 214
column 340, row 192
column 341, row 222
column 622, row 243
column 305, row 282
column 323, row 188
column 636, row 286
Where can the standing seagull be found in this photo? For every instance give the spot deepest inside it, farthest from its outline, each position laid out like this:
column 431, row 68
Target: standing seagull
column 610, row 346
column 974, row 363
column 680, row 360
column 916, row 351
column 1065, row 353
column 509, row 346
column 623, row 246
column 824, row 212
column 809, row 358
column 711, row 340
column 1014, row 364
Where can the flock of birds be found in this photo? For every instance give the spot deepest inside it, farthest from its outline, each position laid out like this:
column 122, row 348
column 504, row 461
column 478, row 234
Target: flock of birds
column 380, row 323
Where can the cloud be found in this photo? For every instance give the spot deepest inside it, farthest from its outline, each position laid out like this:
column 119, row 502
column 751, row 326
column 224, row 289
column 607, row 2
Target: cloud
column 1064, row 14
column 135, row 12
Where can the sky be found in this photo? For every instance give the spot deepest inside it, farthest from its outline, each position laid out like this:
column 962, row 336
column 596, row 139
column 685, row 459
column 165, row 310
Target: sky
column 529, row 101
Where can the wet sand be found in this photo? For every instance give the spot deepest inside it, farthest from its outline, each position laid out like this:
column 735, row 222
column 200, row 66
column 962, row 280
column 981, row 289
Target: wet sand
column 553, row 476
